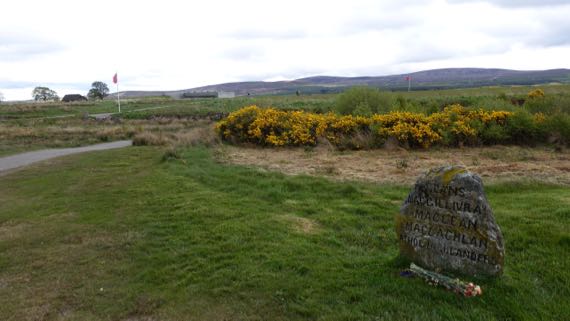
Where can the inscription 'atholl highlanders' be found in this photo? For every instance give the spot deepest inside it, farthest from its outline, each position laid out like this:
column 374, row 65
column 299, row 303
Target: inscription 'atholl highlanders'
column 446, row 223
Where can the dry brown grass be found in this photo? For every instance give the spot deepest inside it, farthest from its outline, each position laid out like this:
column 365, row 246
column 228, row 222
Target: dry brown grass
column 494, row 164
column 203, row 134
column 12, row 230
column 150, row 139
column 35, row 106
column 37, row 134
column 301, row 224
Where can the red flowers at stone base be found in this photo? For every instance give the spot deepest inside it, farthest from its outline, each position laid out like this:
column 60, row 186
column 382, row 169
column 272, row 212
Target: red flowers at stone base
column 455, row 285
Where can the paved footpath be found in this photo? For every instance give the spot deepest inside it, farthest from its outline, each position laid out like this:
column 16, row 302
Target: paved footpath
column 19, row 160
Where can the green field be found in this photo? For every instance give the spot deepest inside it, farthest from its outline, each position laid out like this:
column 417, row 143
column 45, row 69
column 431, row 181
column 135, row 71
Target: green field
column 174, row 232
column 31, row 126
column 125, row 235
column 424, row 100
column 157, row 106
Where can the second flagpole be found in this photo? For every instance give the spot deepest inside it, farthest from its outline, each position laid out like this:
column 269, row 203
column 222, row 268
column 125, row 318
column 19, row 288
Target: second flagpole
column 116, row 81
column 118, row 97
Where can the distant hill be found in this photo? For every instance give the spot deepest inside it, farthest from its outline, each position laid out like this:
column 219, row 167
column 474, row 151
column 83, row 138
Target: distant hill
column 422, row 80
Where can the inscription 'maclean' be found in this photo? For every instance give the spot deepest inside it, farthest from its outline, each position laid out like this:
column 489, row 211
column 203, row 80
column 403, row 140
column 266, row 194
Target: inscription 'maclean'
column 445, row 234
column 445, row 219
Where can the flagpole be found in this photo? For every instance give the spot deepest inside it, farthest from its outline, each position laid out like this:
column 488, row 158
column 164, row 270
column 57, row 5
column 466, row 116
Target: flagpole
column 409, row 83
column 118, row 96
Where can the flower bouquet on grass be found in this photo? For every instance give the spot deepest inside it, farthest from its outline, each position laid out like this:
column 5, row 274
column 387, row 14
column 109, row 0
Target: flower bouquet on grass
column 435, row 279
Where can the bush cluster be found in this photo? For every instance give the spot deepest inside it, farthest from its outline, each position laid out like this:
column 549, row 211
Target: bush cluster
column 364, row 101
column 454, row 126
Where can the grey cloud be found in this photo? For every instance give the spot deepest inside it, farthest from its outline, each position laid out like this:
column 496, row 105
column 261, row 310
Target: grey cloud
column 289, row 73
column 519, row 3
column 550, row 29
column 244, row 53
column 15, row 47
column 253, row 34
column 381, row 23
column 384, row 17
column 418, row 49
column 418, row 53
column 556, row 39
column 8, row 84
column 11, row 84
column 554, row 31
column 425, row 55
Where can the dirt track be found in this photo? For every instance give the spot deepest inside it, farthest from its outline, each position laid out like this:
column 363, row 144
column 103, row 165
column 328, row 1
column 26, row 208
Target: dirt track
column 493, row 164
column 20, row 160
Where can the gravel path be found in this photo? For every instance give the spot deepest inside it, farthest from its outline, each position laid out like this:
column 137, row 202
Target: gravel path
column 19, row 160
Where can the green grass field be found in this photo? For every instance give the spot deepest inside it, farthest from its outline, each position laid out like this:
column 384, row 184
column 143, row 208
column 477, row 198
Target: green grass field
column 127, row 235
column 124, row 235
column 158, row 107
column 423, row 100
column 25, row 127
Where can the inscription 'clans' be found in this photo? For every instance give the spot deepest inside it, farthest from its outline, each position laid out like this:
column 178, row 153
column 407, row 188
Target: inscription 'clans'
column 446, row 223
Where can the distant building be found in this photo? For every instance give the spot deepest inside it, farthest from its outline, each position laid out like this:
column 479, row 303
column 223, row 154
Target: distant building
column 226, row 94
column 72, row 98
column 209, row 94
column 201, row 94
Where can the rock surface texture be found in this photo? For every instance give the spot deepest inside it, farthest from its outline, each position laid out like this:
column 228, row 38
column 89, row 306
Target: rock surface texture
column 446, row 224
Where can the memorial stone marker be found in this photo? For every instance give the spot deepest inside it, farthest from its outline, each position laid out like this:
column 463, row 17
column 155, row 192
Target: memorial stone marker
column 446, row 224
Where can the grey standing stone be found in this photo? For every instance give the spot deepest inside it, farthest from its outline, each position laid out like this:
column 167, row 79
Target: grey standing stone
column 446, row 224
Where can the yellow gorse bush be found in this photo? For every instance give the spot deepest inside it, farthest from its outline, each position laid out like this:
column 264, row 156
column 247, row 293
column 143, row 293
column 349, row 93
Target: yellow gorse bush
column 536, row 93
column 275, row 127
column 407, row 127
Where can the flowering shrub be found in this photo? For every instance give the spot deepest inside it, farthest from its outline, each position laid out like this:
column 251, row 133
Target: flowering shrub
column 537, row 93
column 455, row 125
column 461, row 126
column 270, row 126
column 409, row 128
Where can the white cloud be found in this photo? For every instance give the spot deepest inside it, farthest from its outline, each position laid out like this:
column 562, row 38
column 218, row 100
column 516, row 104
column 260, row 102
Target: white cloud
column 18, row 47
column 519, row 3
column 179, row 44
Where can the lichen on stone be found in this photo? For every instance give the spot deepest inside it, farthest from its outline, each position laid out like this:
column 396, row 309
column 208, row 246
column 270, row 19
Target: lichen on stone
column 446, row 223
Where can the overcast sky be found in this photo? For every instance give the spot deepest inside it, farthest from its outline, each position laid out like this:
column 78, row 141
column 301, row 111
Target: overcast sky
column 169, row 45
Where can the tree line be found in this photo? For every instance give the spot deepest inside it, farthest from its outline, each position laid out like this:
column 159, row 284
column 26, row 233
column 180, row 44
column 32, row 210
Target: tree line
column 99, row 90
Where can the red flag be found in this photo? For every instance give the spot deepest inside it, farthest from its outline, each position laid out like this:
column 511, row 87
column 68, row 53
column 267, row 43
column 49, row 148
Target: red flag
column 115, row 80
column 408, row 78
